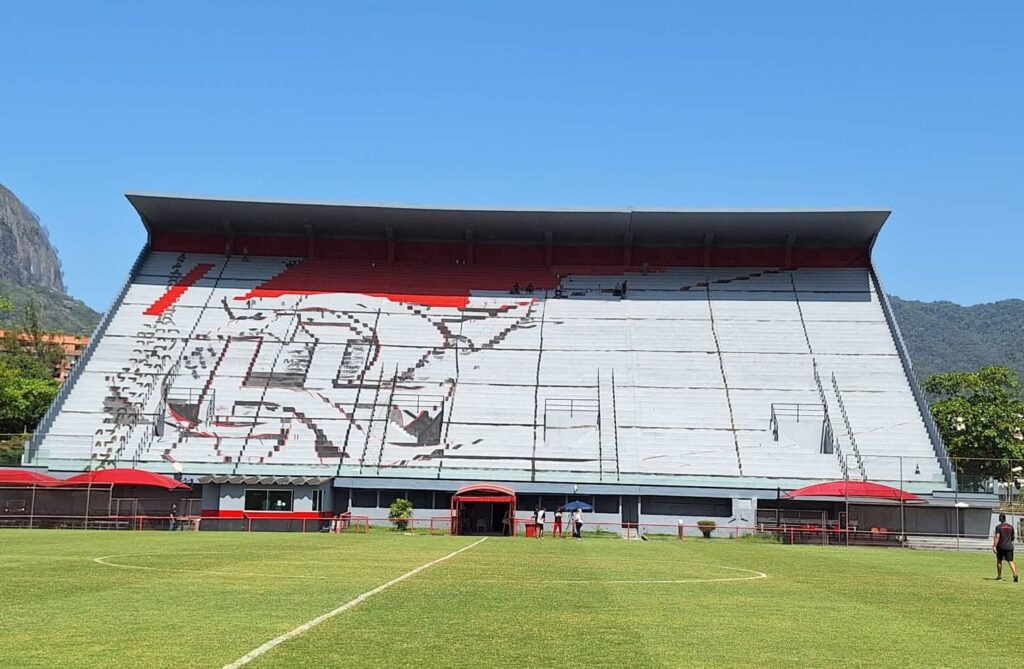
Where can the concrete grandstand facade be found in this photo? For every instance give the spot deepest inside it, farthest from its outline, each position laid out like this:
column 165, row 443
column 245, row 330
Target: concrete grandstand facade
column 689, row 355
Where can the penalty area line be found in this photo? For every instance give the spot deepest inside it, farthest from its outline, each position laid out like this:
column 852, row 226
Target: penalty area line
column 304, row 627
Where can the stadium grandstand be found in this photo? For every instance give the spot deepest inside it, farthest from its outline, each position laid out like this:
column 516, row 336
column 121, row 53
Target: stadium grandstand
column 311, row 359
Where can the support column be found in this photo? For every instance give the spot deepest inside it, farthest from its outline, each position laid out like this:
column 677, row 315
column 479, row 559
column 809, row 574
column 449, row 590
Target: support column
column 790, row 241
column 229, row 246
column 390, row 231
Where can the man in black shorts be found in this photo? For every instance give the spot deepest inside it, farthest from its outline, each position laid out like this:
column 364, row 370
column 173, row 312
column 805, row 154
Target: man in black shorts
column 1002, row 546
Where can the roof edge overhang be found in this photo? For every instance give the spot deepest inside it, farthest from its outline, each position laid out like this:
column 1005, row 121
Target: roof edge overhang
column 191, row 215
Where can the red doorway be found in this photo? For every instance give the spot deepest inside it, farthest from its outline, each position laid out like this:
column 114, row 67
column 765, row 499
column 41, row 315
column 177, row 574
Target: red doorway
column 480, row 509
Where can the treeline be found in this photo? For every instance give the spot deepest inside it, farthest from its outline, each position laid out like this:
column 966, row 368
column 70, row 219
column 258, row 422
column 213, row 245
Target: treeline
column 945, row 337
column 27, row 383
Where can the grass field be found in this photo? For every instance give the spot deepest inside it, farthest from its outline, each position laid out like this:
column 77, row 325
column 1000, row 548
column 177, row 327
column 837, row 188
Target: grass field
column 207, row 599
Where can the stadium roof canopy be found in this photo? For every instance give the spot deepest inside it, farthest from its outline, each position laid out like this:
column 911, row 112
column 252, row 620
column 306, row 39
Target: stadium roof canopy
column 26, row 477
column 654, row 227
column 126, row 476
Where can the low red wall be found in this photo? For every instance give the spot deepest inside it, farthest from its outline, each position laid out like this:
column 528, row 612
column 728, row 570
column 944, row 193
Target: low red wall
column 283, row 515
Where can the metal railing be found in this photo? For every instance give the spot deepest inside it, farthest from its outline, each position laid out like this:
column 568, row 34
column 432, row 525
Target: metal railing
column 571, row 406
column 46, row 422
column 797, row 412
column 908, row 368
column 836, row 446
column 849, row 428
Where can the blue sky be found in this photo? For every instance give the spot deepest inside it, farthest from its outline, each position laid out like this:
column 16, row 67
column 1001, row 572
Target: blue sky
column 917, row 106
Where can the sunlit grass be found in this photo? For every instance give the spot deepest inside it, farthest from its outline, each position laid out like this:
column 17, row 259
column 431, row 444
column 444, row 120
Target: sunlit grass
column 205, row 599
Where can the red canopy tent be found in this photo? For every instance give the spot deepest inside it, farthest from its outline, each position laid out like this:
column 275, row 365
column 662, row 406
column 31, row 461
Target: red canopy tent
column 26, row 477
column 858, row 489
column 122, row 476
column 483, row 493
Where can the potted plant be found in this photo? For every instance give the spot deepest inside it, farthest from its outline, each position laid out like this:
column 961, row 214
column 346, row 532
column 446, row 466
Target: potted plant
column 399, row 514
column 706, row 527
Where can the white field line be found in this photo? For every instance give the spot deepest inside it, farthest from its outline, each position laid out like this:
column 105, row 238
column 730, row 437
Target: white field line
column 304, row 627
column 106, row 562
column 22, row 556
column 755, row 576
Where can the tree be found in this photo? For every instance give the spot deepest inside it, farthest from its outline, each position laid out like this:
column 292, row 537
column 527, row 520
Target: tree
column 27, row 384
column 5, row 303
column 981, row 416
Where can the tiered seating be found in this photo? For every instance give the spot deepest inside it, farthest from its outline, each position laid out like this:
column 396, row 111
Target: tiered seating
column 263, row 365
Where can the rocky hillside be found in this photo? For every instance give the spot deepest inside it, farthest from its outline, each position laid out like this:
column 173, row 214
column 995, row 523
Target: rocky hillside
column 30, row 272
column 26, row 256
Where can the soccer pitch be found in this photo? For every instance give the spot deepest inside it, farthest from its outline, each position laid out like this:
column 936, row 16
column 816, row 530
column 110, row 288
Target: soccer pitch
column 148, row 599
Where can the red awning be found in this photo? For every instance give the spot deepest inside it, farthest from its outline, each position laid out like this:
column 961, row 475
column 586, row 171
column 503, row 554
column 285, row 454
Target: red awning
column 26, row 477
column 484, row 489
column 494, row 499
column 859, row 489
column 119, row 476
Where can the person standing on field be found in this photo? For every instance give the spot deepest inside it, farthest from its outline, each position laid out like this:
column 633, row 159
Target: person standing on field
column 541, row 517
column 577, row 523
column 556, row 529
column 1002, row 546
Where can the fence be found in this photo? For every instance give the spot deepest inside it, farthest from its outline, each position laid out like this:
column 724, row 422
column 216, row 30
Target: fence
column 1003, row 477
column 961, row 515
column 929, row 512
column 87, row 507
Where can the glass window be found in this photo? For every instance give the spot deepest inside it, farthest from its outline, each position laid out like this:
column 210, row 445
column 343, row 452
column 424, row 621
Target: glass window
column 421, row 499
column 318, row 499
column 387, row 497
column 527, row 502
column 552, row 502
column 364, row 498
column 586, row 499
column 341, row 499
column 709, row 507
column 606, row 503
column 442, row 500
column 255, row 500
column 279, row 500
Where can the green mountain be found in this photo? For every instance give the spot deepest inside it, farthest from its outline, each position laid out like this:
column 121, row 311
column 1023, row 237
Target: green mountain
column 946, row 337
column 57, row 311
column 30, row 272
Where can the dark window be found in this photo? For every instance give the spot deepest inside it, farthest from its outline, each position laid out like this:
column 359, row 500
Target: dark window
column 341, row 496
column 318, row 499
column 387, row 497
column 442, row 500
column 709, row 507
column 527, row 502
column 552, row 502
column 255, row 500
column 586, row 499
column 364, row 498
column 606, row 504
column 279, row 500
column 421, row 499
column 268, row 500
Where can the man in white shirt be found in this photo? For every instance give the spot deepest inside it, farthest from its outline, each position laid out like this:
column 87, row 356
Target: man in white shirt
column 541, row 517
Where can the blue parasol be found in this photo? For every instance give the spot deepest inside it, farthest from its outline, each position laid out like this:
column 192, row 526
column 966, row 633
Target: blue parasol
column 582, row 506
